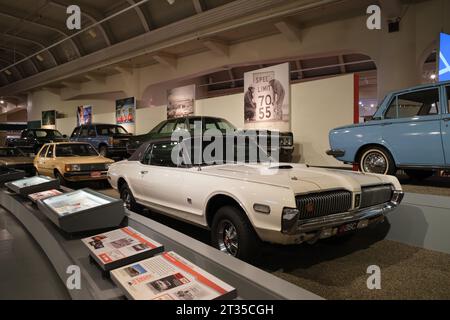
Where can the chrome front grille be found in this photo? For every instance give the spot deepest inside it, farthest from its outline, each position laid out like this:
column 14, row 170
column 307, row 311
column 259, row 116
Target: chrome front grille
column 93, row 167
column 375, row 195
column 323, row 204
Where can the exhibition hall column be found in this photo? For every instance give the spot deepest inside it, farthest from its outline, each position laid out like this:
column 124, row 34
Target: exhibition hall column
column 397, row 66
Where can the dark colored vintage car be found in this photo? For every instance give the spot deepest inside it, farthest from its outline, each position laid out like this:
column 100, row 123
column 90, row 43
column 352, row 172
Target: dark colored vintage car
column 32, row 140
column 110, row 140
column 14, row 158
column 166, row 128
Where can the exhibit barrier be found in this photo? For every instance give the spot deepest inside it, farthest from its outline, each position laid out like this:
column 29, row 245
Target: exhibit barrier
column 65, row 252
column 422, row 221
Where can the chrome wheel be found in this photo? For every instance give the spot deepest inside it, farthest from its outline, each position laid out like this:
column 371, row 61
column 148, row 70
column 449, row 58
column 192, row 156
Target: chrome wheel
column 228, row 238
column 126, row 198
column 375, row 162
column 103, row 151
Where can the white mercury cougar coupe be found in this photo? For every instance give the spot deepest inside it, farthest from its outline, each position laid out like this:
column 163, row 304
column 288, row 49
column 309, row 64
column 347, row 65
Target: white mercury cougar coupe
column 244, row 203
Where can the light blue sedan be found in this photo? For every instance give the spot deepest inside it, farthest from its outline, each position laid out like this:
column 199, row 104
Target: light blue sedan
column 410, row 131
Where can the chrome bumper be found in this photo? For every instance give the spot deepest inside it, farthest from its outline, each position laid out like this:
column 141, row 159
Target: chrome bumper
column 313, row 225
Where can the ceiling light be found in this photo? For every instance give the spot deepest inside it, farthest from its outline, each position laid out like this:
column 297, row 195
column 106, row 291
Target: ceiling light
column 40, row 58
column 433, row 76
column 171, row 1
column 2, row 101
column 92, row 33
column 8, row 72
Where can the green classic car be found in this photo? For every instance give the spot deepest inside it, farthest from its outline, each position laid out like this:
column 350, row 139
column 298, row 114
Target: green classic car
column 167, row 127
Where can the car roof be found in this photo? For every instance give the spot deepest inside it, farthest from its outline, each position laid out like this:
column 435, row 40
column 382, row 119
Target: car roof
column 101, row 124
column 422, row 86
column 61, row 143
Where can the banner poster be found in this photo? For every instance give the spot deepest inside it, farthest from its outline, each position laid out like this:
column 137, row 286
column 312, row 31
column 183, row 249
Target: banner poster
column 126, row 114
column 267, row 98
column 180, row 102
column 49, row 119
column 84, row 115
column 126, row 111
column 444, row 57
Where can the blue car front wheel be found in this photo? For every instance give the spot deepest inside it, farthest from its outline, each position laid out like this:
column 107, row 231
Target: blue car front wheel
column 377, row 160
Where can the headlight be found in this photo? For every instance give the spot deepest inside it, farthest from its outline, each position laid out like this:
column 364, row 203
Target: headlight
column 73, row 167
column 107, row 165
column 397, row 197
column 286, row 141
column 289, row 220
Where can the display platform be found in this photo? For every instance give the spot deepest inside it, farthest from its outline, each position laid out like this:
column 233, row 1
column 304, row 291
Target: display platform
column 83, row 210
column 65, row 252
column 7, row 175
column 26, row 186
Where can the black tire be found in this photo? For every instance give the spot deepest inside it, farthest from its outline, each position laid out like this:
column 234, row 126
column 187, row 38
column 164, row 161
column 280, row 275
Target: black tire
column 59, row 176
column 247, row 241
column 384, row 165
column 103, row 151
column 419, row 175
column 128, row 199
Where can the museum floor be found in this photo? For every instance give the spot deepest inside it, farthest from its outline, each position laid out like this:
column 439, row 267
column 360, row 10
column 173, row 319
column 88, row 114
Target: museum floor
column 331, row 270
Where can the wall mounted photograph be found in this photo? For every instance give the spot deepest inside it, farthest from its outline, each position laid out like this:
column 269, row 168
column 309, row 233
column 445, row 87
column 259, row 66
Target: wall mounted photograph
column 49, row 119
column 181, row 102
column 267, row 95
column 126, row 111
column 84, row 115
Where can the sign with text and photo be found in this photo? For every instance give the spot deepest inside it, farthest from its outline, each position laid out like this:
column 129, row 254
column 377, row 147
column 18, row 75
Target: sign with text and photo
column 126, row 111
column 170, row 277
column 267, row 95
column 180, row 102
column 444, row 57
column 49, row 119
column 84, row 115
column 125, row 245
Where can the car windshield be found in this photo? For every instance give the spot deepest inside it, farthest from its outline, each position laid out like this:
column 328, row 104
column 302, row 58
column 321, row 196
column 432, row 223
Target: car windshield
column 105, row 130
column 75, row 150
column 11, row 152
column 229, row 149
column 48, row 134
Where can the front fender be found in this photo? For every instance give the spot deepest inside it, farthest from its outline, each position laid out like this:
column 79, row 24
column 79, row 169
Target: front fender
column 352, row 139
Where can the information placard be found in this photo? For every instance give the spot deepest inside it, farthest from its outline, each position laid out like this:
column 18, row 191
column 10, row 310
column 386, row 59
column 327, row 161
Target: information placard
column 120, row 247
column 83, row 210
column 44, row 195
column 27, row 186
column 170, row 277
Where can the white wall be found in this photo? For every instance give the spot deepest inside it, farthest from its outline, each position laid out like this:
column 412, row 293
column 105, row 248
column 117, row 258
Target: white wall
column 317, row 107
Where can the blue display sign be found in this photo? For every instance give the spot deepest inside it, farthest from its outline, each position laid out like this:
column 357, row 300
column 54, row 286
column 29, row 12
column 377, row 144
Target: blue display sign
column 444, row 58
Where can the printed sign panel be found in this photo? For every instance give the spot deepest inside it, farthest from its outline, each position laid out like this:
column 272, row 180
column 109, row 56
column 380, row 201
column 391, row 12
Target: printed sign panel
column 180, row 102
column 267, row 95
column 84, row 115
column 444, row 58
column 49, row 119
column 126, row 111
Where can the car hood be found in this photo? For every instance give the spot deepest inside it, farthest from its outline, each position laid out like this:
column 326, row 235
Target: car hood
column 300, row 178
column 84, row 160
column 9, row 161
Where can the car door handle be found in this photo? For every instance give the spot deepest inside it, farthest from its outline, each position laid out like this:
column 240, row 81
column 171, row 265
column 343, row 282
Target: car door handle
column 386, row 124
column 144, row 172
column 446, row 119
